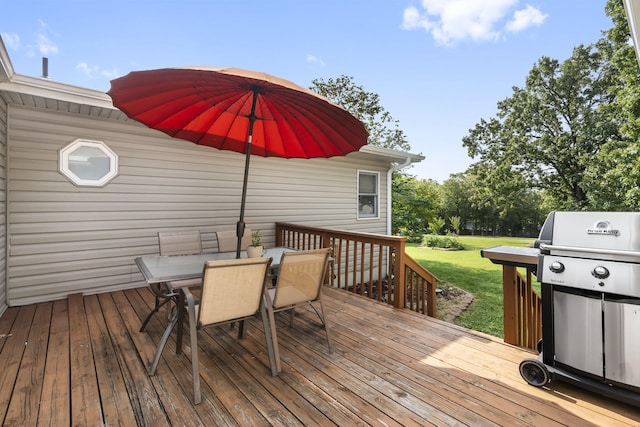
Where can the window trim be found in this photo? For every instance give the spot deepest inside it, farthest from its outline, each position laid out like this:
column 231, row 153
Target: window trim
column 376, row 214
column 63, row 163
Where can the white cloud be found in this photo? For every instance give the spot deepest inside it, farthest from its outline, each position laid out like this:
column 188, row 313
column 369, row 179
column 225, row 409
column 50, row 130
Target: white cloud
column 87, row 70
column 94, row 71
column 110, row 74
column 451, row 21
column 44, row 44
column 411, row 19
column 312, row 59
column 11, row 40
column 525, row 18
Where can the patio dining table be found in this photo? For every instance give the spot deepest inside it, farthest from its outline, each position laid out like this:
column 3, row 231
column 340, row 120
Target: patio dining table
column 175, row 268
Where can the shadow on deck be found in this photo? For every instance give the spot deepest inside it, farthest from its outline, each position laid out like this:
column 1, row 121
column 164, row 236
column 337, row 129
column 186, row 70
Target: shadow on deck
column 82, row 361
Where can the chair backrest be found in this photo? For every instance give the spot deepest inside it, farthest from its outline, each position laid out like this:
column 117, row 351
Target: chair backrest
column 180, row 243
column 232, row 289
column 228, row 241
column 300, row 276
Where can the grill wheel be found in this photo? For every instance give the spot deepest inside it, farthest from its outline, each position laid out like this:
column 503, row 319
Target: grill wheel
column 534, row 372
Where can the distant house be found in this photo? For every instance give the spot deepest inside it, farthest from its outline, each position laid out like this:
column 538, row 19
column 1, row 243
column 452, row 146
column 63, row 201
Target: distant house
column 84, row 190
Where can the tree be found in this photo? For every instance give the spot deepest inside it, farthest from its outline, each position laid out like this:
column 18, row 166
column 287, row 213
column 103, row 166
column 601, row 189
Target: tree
column 456, row 200
column 551, row 131
column 415, row 204
column 614, row 179
column 493, row 201
column 384, row 131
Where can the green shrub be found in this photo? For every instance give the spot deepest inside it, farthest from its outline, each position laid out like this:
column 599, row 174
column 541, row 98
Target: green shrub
column 414, row 238
column 411, row 235
column 436, row 225
column 443, row 242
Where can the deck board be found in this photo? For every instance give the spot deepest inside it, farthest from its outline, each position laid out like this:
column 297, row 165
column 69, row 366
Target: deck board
column 23, row 410
column 82, row 361
column 116, row 406
column 147, row 396
column 11, row 356
column 55, row 409
column 85, row 394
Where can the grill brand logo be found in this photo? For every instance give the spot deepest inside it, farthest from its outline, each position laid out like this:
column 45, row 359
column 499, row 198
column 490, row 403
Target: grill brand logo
column 603, row 228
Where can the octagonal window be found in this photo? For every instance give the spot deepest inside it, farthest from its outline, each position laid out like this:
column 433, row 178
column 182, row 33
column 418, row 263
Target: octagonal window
column 89, row 163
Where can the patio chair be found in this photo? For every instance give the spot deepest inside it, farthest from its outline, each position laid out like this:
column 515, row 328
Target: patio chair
column 299, row 282
column 228, row 241
column 231, row 291
column 173, row 243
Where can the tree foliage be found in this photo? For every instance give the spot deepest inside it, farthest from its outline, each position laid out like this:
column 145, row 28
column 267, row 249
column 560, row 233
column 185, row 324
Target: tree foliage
column 491, row 201
column 415, row 204
column 614, row 181
column 550, row 131
column 455, row 222
column 384, row 131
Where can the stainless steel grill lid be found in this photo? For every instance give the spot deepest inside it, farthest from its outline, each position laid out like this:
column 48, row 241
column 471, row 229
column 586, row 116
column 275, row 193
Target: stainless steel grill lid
column 603, row 235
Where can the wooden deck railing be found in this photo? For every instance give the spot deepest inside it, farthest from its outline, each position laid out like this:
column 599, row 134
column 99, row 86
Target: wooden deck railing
column 522, row 308
column 372, row 265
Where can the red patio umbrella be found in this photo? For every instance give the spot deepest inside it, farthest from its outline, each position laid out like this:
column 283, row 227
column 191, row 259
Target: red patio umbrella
column 239, row 110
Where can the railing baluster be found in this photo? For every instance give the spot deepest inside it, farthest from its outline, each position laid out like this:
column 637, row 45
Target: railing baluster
column 339, row 270
column 361, row 270
column 380, row 278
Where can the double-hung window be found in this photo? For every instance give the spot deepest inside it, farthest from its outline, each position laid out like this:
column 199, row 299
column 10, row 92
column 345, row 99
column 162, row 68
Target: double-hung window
column 368, row 194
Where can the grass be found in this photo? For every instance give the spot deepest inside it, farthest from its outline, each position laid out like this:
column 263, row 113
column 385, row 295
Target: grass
column 468, row 270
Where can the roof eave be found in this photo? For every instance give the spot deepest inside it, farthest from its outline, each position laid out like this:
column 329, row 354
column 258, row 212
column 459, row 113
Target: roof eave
column 632, row 8
column 6, row 68
column 42, row 87
column 392, row 156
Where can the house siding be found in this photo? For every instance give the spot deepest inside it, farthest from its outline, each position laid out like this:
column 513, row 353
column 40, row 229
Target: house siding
column 66, row 239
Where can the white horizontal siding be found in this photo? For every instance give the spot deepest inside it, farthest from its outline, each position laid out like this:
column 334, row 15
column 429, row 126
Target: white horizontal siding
column 65, row 239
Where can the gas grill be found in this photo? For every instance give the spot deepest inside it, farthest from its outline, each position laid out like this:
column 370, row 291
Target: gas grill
column 589, row 270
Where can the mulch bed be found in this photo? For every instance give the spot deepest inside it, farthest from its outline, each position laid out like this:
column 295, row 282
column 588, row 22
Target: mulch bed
column 451, row 302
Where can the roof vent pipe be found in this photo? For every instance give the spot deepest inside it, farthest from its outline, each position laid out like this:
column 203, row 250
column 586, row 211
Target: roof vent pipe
column 45, row 67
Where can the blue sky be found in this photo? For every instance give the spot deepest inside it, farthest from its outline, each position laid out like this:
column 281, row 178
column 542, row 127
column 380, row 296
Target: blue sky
column 439, row 66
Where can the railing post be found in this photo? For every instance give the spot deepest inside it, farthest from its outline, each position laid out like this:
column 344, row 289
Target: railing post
column 431, row 300
column 279, row 231
column 399, row 275
column 510, row 304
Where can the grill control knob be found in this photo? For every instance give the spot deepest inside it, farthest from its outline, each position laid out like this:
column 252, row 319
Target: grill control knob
column 556, row 267
column 600, row 272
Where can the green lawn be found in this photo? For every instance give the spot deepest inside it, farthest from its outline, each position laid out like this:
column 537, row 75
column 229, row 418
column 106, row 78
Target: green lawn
column 468, row 270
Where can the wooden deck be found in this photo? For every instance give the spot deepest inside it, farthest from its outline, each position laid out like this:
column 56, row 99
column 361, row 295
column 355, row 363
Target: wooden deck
column 81, row 362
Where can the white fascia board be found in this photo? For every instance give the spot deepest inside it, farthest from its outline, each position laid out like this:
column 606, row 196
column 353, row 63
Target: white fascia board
column 42, row 87
column 632, row 8
column 390, row 155
column 6, row 68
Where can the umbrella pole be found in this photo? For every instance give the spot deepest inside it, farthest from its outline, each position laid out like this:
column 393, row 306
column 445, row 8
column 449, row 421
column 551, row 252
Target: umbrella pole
column 241, row 225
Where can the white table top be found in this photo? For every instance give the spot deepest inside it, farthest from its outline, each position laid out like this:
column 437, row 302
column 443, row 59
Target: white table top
column 158, row 269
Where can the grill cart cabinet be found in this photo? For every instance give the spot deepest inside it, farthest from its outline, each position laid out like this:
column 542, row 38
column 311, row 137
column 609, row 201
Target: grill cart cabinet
column 592, row 334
